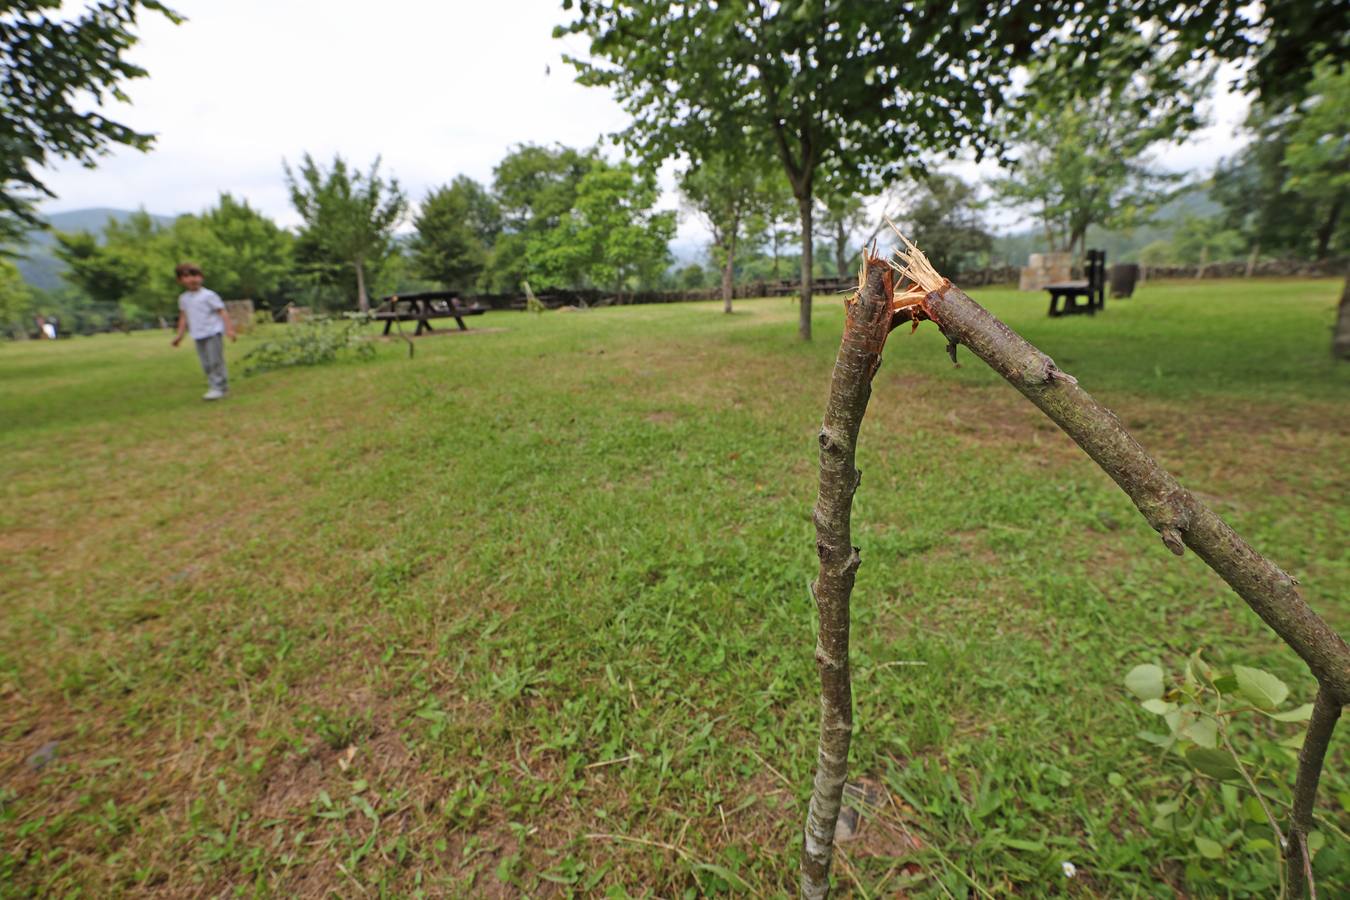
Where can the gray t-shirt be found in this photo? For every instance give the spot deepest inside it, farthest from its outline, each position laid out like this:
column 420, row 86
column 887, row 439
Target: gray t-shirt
column 202, row 308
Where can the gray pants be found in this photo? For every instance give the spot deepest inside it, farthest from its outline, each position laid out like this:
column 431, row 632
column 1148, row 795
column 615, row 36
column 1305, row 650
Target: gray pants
column 211, row 351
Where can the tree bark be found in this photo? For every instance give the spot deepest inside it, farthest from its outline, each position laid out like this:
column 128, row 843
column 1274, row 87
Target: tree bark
column 1310, row 758
column 840, row 248
column 728, row 271
column 1340, row 340
column 867, row 322
column 1252, row 258
column 1173, row 511
column 804, row 303
column 774, row 231
column 362, row 301
column 1328, row 229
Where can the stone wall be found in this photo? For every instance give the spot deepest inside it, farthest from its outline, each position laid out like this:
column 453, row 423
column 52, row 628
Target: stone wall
column 241, row 314
column 1043, row 269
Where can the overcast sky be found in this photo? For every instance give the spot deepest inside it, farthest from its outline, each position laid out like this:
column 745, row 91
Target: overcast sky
column 436, row 89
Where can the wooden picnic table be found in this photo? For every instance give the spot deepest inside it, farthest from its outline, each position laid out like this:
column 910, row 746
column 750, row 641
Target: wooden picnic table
column 1064, row 294
column 423, row 307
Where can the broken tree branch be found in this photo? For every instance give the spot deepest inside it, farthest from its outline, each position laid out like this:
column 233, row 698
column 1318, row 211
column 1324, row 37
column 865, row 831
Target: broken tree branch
column 1178, row 517
column 867, row 323
column 1313, row 753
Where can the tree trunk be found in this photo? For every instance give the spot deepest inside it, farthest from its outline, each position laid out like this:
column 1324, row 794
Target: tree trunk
column 728, row 271
column 1252, row 257
column 1204, row 261
column 867, row 322
column 1328, row 229
column 840, row 247
column 362, row 301
column 1340, row 340
column 804, row 302
column 776, row 237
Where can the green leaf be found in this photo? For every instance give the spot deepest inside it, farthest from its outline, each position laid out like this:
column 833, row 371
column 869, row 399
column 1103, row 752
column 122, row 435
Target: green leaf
column 1203, row 731
column 1252, row 808
column 1208, row 849
column 1158, row 707
column 1145, row 682
column 1214, row 763
column 1301, row 714
column 1263, row 689
column 1225, row 684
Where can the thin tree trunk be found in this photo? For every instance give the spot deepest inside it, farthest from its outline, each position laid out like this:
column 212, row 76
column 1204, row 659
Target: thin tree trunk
column 728, row 271
column 840, row 247
column 1311, row 756
column 866, row 324
column 804, row 302
column 1328, row 229
column 362, row 301
column 776, row 237
column 1340, row 341
column 1252, row 257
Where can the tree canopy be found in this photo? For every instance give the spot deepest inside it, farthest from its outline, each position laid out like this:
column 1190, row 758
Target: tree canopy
column 457, row 226
column 611, row 237
column 55, row 73
column 349, row 217
column 854, row 87
column 731, row 197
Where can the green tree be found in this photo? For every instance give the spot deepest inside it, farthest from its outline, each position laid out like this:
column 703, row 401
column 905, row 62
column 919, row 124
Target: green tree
column 1317, row 156
column 944, row 214
column 456, row 228
column 691, row 277
column 728, row 194
column 841, row 215
column 1081, row 159
column 1286, row 190
column 1202, row 241
column 130, row 268
column 611, row 237
column 829, row 85
column 250, row 257
column 534, row 188
column 349, row 217
column 55, row 71
column 16, row 300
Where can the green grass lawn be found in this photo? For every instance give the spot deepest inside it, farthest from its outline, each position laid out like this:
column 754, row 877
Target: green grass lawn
column 528, row 613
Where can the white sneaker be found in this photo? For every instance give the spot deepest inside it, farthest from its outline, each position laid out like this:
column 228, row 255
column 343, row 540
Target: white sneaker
column 213, row 394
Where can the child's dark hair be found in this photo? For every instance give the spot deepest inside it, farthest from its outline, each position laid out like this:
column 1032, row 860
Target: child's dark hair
column 186, row 268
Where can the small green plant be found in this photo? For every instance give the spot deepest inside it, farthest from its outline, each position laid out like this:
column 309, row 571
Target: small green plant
column 309, row 343
column 1231, row 744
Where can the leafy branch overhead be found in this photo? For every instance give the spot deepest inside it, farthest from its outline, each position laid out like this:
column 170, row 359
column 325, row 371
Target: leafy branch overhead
column 55, row 73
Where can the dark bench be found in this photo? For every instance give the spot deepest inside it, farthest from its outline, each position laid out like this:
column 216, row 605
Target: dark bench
column 1064, row 295
column 423, row 307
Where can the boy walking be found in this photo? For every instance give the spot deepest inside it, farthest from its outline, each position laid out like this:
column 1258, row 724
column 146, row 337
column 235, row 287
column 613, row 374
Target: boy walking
column 202, row 314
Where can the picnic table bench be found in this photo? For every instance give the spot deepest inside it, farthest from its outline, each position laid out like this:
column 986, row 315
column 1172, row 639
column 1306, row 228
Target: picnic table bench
column 1064, row 294
column 423, row 307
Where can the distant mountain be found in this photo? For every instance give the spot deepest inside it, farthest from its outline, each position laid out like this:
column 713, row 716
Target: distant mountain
column 1120, row 246
column 39, row 265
